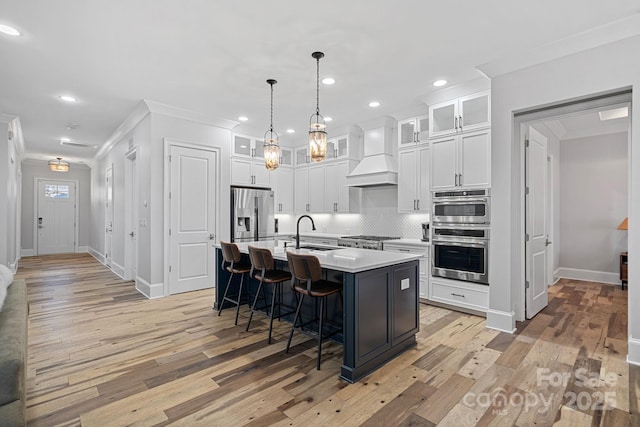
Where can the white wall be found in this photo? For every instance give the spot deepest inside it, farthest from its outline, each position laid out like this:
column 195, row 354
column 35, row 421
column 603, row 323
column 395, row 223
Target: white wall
column 596, row 70
column 10, row 191
column 149, row 135
column 378, row 216
column 32, row 169
column 593, row 194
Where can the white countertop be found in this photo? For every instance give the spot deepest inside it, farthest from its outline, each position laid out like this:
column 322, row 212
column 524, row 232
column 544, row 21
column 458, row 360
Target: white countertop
column 350, row 260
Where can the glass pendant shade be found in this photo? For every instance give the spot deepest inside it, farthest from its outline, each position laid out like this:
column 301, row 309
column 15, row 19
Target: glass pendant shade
column 317, row 126
column 317, row 138
column 58, row 165
column 271, row 151
column 271, row 144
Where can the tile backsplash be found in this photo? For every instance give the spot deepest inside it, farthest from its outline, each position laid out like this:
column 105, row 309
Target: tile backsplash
column 378, row 216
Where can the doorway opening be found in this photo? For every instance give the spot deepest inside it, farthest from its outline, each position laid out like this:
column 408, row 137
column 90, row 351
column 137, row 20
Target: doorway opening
column 55, row 224
column 574, row 186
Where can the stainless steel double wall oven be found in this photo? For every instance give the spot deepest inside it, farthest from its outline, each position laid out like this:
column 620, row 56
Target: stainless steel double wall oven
column 460, row 235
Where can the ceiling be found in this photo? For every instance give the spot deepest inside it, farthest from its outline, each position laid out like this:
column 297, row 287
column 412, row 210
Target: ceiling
column 586, row 124
column 214, row 58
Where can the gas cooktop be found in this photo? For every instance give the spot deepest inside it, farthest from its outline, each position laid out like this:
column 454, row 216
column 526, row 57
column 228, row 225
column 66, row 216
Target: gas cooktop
column 364, row 242
column 363, row 237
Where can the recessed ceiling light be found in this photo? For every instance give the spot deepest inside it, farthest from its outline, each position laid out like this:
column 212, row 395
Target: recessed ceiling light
column 293, row 130
column 374, row 104
column 616, row 113
column 328, row 80
column 10, row 31
column 243, row 118
column 328, row 119
column 439, row 83
column 65, row 139
column 67, row 98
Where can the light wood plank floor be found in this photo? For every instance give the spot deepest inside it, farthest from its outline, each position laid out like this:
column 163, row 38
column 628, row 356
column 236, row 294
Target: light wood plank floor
column 100, row 354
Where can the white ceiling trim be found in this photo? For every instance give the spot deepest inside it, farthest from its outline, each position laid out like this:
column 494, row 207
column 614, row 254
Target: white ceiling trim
column 598, row 36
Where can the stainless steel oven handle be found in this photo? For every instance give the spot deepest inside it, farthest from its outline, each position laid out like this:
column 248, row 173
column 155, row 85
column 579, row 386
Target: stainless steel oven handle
column 457, row 201
column 462, row 243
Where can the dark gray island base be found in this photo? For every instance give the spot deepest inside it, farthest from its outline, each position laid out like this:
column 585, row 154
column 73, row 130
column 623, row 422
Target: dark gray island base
column 379, row 316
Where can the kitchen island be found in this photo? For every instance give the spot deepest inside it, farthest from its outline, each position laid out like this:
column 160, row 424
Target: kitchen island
column 379, row 309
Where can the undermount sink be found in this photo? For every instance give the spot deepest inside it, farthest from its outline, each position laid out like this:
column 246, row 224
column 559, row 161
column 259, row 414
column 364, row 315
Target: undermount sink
column 318, row 248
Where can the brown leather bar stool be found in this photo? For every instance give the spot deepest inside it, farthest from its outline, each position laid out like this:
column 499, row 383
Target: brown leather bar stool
column 263, row 267
column 308, row 280
column 231, row 256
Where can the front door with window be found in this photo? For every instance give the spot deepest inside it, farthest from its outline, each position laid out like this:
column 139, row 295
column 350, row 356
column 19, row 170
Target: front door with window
column 56, row 217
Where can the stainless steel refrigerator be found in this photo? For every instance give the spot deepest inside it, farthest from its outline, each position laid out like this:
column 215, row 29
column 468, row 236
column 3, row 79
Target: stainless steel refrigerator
column 251, row 214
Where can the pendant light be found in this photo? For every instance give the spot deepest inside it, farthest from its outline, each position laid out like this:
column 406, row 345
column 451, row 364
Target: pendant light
column 58, row 165
column 271, row 144
column 317, row 127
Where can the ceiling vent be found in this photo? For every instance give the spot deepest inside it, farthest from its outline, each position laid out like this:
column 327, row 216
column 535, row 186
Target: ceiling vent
column 78, row 144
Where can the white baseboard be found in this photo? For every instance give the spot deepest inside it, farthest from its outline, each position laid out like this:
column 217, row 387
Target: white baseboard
column 118, row 269
column 97, row 255
column 633, row 354
column 588, row 275
column 27, row 252
column 82, row 249
column 501, row 320
column 148, row 290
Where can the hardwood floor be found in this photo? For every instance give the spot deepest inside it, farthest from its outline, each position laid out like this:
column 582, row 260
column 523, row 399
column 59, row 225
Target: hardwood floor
column 100, row 354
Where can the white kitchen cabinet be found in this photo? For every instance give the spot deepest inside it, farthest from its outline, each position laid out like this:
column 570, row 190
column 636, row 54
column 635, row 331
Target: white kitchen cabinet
column 413, row 179
column 456, row 293
column 248, row 172
column 247, row 146
column 302, row 156
column 459, row 115
column 309, row 189
column 347, row 146
column 413, row 131
column 286, row 156
column 338, row 197
column 282, row 185
column 414, row 248
column 461, row 161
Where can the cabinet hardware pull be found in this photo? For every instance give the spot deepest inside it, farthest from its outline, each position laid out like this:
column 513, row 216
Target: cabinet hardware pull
column 460, row 179
column 458, row 295
column 455, row 180
column 403, row 250
column 418, row 204
column 460, row 121
column 456, row 122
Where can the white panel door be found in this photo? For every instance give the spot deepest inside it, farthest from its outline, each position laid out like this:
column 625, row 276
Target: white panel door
column 316, row 188
column 444, row 162
column 536, row 224
column 423, row 193
column 475, row 159
column 407, row 180
column 343, row 203
column 56, row 217
column 331, row 172
column 301, row 187
column 192, row 219
column 108, row 217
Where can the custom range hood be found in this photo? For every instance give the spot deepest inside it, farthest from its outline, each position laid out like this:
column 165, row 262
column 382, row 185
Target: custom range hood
column 377, row 167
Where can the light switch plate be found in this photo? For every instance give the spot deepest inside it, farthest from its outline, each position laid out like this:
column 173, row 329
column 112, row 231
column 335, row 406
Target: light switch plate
column 404, row 284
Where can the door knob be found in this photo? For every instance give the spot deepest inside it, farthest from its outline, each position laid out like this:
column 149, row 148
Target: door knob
column 547, row 242
column 132, row 234
column 212, row 236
